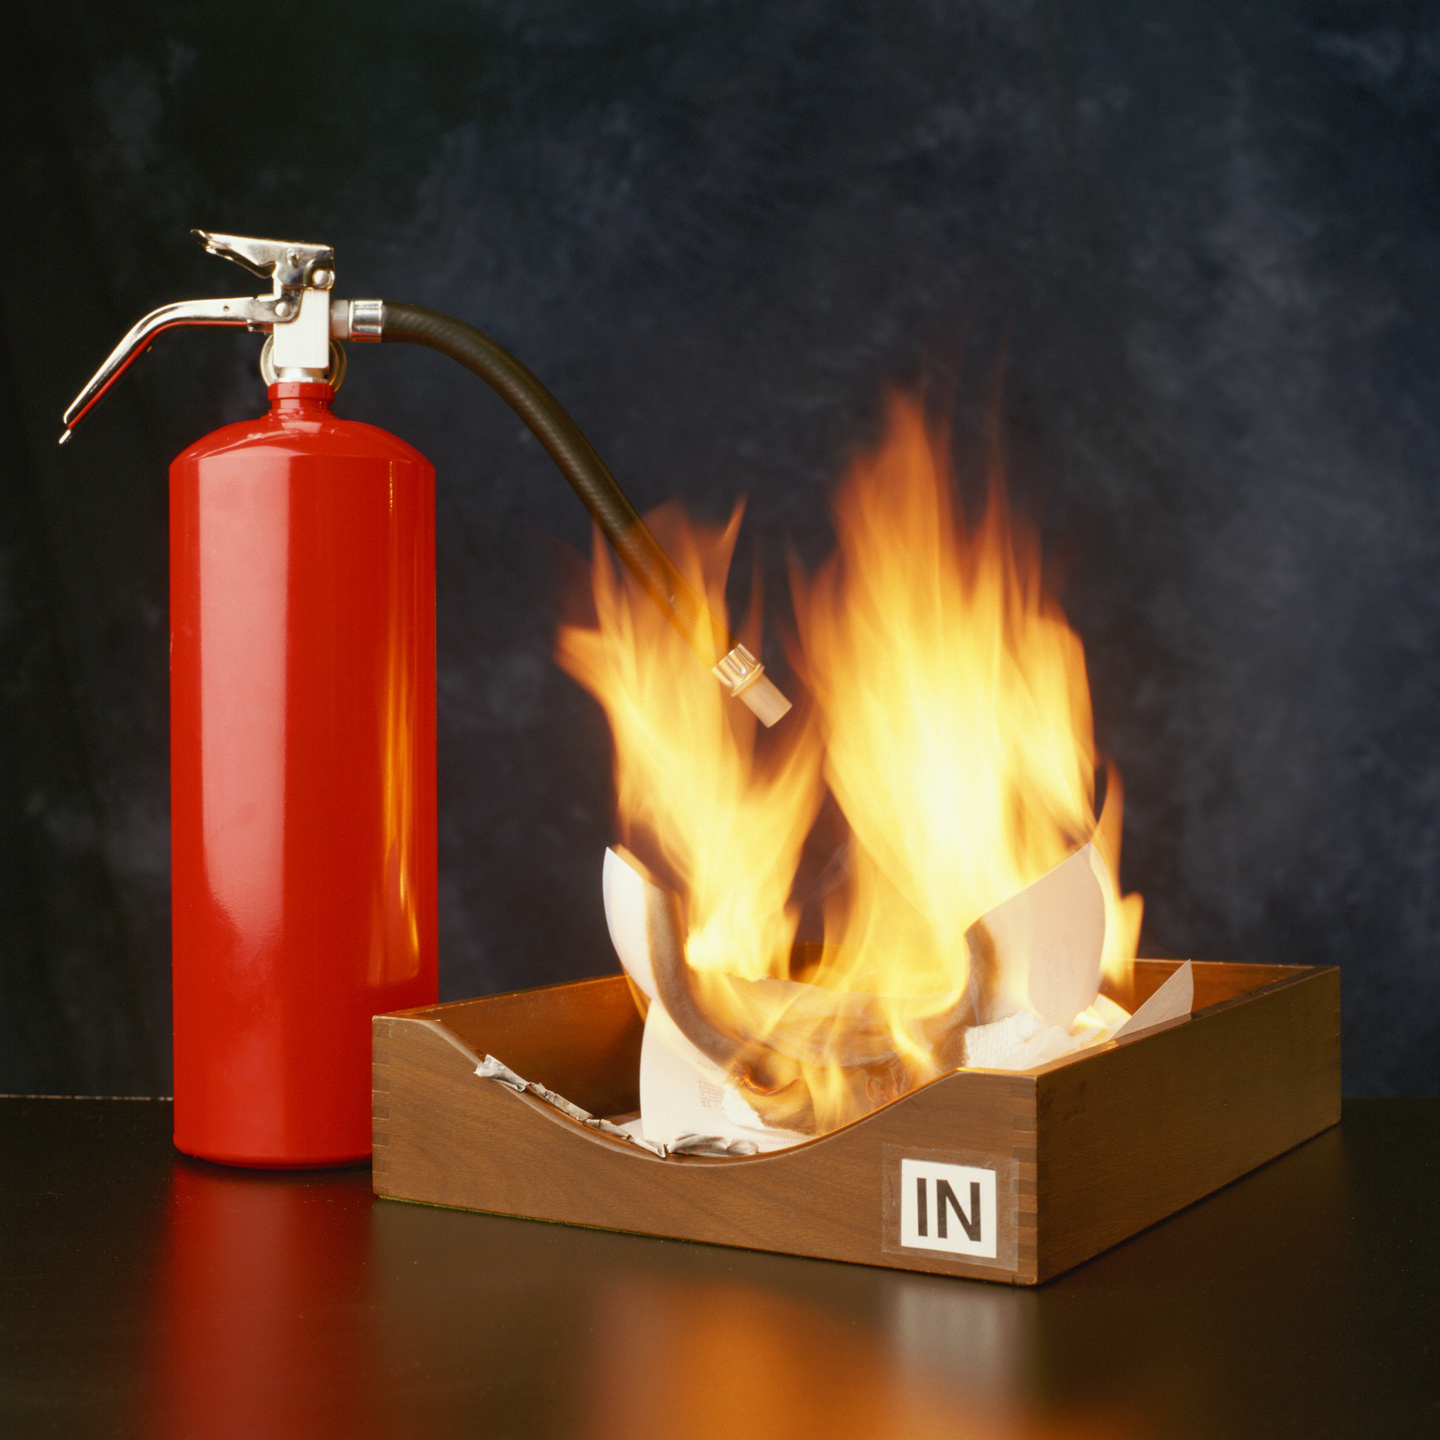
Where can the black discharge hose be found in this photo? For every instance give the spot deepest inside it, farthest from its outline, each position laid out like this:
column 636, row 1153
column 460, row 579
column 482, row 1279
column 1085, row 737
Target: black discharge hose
column 617, row 518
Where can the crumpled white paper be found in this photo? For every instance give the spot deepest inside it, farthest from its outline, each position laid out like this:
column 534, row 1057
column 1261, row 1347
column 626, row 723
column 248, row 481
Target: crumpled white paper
column 1049, row 942
column 684, row 1095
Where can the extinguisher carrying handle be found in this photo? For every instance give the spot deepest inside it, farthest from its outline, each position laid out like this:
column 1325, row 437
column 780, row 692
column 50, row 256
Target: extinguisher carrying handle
column 658, row 575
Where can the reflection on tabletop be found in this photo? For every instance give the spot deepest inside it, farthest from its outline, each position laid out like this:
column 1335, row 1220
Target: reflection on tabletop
column 266, row 1324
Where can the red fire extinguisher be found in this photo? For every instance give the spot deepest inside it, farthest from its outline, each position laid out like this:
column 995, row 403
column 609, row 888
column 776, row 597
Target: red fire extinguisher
column 302, row 709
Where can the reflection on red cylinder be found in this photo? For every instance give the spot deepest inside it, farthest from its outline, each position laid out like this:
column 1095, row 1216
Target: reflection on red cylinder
column 263, row 1326
column 302, row 716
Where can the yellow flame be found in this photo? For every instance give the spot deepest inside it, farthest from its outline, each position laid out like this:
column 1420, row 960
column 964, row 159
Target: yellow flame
column 955, row 713
column 689, row 784
column 1123, row 913
column 951, row 721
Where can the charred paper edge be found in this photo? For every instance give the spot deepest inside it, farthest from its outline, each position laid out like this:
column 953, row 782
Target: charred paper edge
column 492, row 1069
column 711, row 1146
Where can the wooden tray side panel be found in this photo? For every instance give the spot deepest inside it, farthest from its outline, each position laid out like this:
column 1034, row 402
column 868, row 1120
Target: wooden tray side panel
column 582, row 1039
column 1218, row 981
column 1146, row 1127
column 446, row 1137
column 1215, row 980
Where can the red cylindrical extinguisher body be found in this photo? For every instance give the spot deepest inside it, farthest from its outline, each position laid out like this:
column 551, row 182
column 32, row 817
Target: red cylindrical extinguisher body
column 302, row 707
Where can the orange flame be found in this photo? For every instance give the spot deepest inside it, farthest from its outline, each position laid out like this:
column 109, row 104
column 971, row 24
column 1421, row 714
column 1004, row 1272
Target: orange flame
column 687, row 776
column 951, row 722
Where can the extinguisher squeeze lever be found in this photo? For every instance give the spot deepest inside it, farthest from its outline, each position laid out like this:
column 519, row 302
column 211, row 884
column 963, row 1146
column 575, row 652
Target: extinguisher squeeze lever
column 297, row 272
column 305, row 324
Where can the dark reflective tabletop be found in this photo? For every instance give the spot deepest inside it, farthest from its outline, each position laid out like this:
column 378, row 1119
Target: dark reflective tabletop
column 143, row 1294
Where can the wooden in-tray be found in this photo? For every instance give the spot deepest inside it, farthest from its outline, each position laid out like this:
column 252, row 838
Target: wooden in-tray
column 997, row 1175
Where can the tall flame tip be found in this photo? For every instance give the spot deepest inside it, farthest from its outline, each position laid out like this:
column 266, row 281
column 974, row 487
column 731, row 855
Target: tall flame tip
column 950, row 721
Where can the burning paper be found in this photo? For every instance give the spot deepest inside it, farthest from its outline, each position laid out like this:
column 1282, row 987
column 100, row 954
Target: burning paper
column 950, row 722
column 1046, row 943
column 1049, row 942
column 1172, row 1001
column 631, row 898
column 684, row 1095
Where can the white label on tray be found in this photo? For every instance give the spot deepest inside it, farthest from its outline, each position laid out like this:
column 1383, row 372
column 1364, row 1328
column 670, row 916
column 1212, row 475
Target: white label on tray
column 947, row 1207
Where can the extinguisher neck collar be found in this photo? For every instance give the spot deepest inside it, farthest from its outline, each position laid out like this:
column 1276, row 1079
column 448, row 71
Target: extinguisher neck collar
column 297, row 397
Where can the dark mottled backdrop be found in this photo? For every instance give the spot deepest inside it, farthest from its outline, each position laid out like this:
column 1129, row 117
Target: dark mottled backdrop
column 1179, row 259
